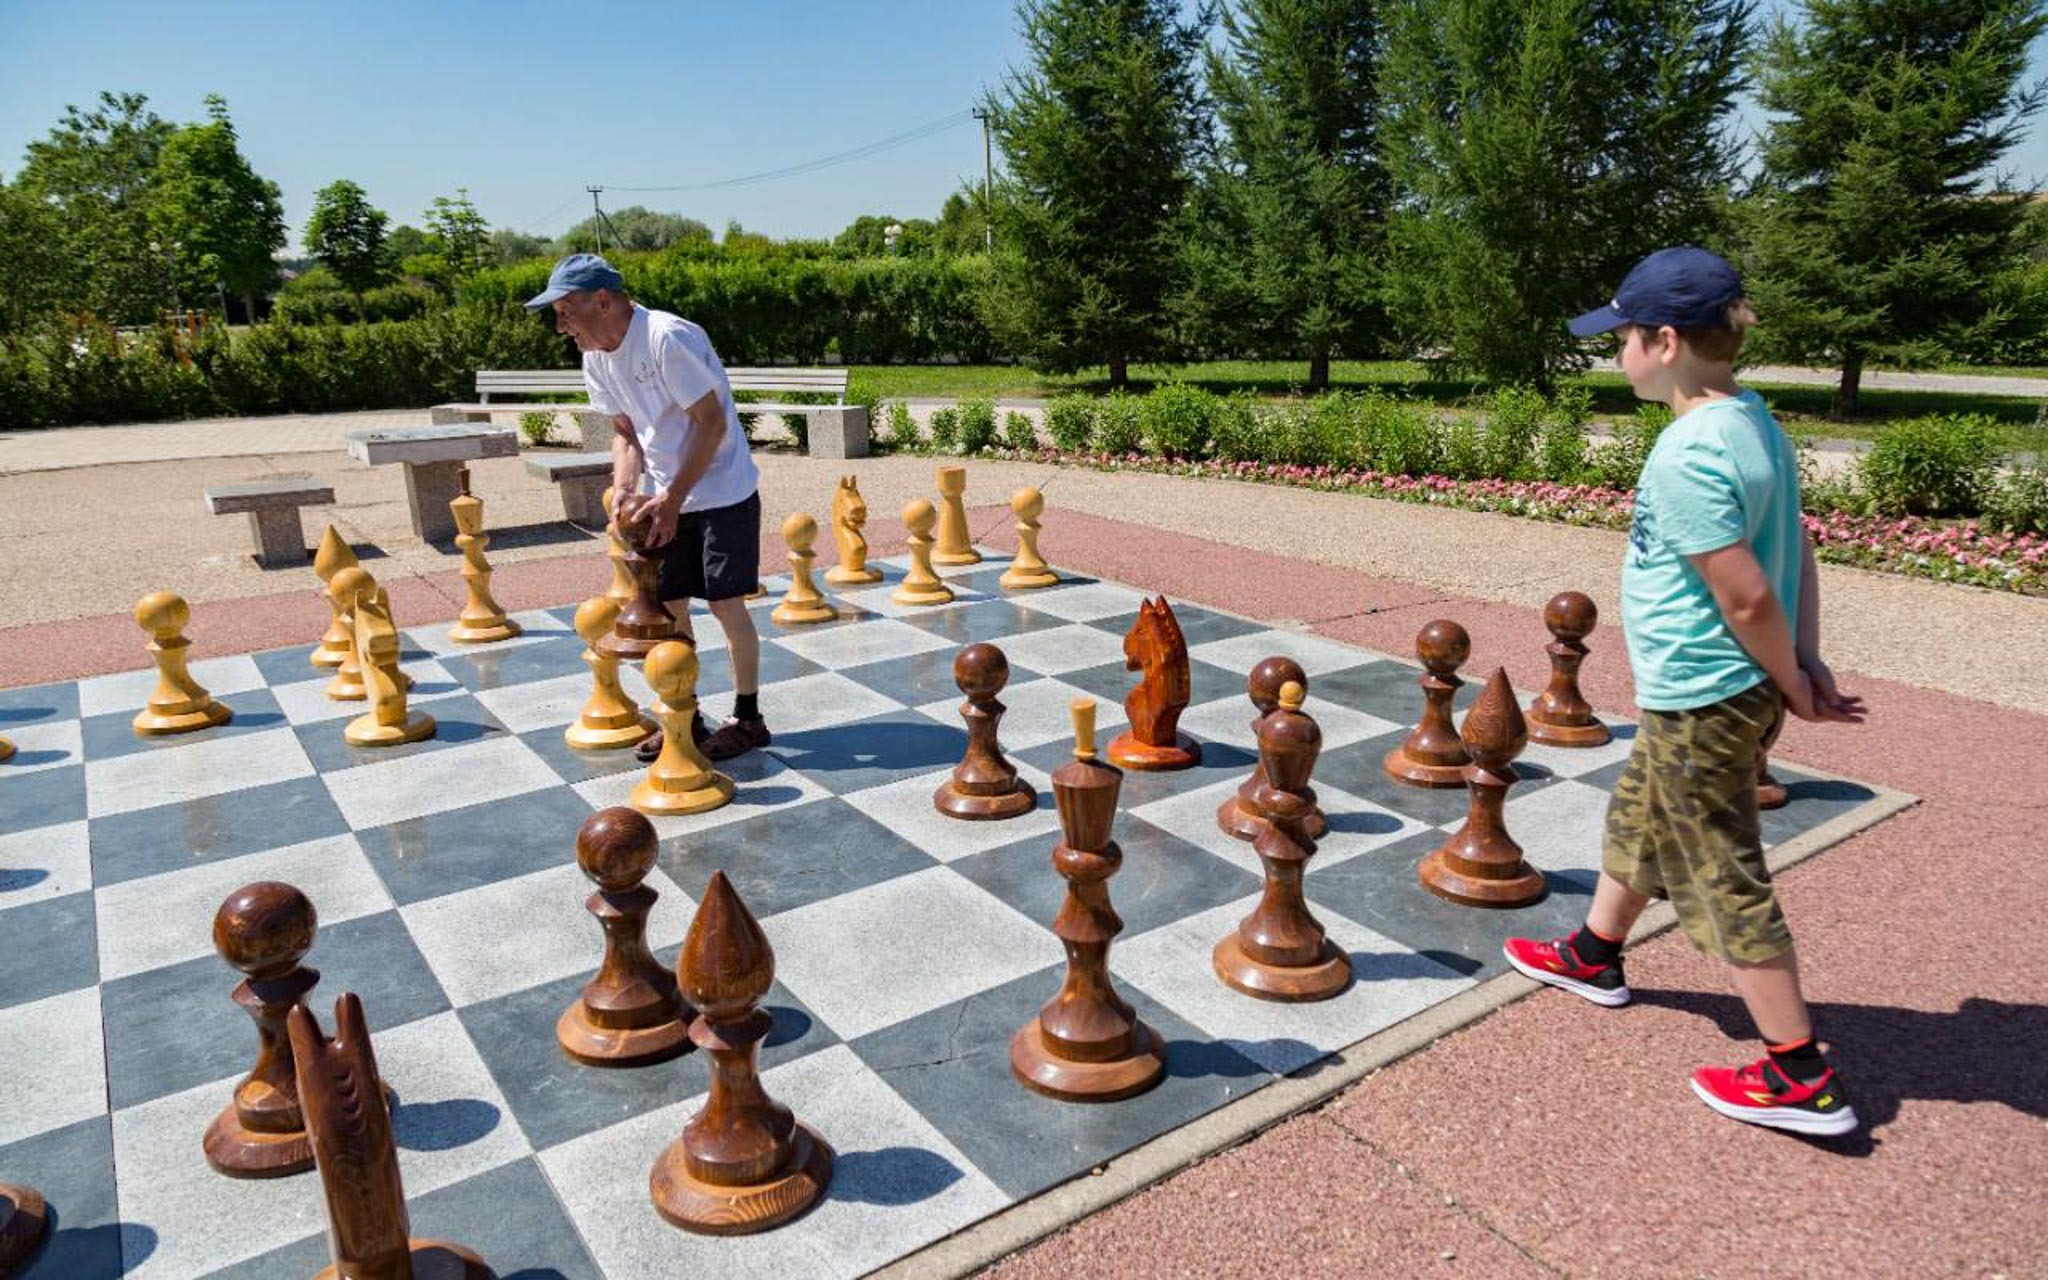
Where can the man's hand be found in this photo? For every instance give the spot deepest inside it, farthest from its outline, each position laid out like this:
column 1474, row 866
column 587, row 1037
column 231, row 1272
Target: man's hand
column 661, row 515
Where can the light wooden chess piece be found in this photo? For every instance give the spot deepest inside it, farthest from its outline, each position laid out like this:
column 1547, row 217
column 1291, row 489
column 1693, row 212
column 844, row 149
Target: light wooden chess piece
column 1560, row 716
column 180, row 704
column 482, row 620
column 342, row 1096
column 955, row 546
column 622, row 588
column 6, row 750
column 629, row 1014
column 1087, row 1044
column 680, row 780
column 849, row 522
column 264, row 930
column 347, row 685
column 802, row 604
column 389, row 721
column 1433, row 755
column 23, row 1219
column 744, row 1163
column 920, row 585
column 1481, row 865
column 610, row 717
column 1028, row 571
column 332, row 556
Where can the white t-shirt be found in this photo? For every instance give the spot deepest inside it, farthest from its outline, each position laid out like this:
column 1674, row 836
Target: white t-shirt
column 664, row 365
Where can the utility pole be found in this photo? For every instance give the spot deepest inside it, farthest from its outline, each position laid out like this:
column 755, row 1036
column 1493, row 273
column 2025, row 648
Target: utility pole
column 988, row 203
column 598, row 209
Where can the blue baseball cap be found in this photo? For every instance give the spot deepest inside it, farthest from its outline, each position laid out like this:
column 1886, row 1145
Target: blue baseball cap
column 575, row 273
column 1684, row 287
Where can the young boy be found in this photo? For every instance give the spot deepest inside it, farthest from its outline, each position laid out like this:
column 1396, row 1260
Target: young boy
column 1721, row 609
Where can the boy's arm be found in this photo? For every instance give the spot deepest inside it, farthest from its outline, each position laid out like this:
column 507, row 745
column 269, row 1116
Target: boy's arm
column 1753, row 613
column 1835, row 704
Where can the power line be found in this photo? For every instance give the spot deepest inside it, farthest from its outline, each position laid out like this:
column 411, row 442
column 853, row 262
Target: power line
column 917, row 134
column 548, row 217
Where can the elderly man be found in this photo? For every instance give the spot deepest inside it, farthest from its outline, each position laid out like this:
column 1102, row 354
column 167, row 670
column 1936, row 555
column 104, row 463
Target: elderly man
column 679, row 462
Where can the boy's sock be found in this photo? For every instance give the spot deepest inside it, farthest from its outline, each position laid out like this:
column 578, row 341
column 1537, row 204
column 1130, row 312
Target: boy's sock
column 746, row 706
column 1593, row 949
column 1800, row 1060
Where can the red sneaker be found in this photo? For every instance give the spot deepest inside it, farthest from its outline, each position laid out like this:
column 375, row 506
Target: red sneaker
column 1553, row 961
column 1762, row 1094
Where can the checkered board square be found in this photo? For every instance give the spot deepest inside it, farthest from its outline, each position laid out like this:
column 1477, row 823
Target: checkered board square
column 909, row 946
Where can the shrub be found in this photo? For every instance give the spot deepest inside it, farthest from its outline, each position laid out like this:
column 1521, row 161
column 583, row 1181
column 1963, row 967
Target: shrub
column 1934, row 466
column 2017, row 501
column 945, row 427
column 1119, row 428
column 1237, row 429
column 1288, row 436
column 1514, row 422
column 1464, row 448
column 1179, row 420
column 1331, row 437
column 1070, row 421
column 1019, row 432
column 902, row 427
column 1394, row 436
column 1561, row 452
column 535, row 426
column 1618, row 463
column 977, row 425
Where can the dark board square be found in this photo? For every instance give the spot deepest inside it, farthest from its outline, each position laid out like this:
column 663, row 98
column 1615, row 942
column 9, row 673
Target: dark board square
column 42, row 798
column 105, row 737
column 48, row 947
column 500, row 667
column 581, row 766
column 983, row 620
column 478, row 844
column 73, row 1168
column 1206, row 682
column 790, row 858
column 914, row 680
column 1384, row 688
column 458, row 721
column 1809, row 801
column 1197, row 625
column 38, row 704
column 1221, row 762
column 290, row 666
column 146, row 842
column 845, row 758
column 1360, row 769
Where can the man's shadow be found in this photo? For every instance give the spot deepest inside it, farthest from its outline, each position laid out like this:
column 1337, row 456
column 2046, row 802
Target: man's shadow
column 1982, row 1051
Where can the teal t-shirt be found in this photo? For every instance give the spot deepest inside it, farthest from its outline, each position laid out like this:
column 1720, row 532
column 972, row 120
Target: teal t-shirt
column 1724, row 473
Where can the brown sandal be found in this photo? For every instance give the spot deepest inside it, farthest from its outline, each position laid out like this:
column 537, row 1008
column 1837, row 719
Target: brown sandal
column 649, row 747
column 736, row 738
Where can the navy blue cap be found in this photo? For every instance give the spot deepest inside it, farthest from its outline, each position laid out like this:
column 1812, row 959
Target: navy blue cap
column 1685, row 287
column 575, row 273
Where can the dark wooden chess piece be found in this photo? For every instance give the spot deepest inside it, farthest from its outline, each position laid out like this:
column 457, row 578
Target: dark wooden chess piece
column 1280, row 951
column 1433, row 755
column 23, row 1218
column 1155, row 646
column 264, row 930
column 1560, row 716
column 645, row 621
column 368, row 1229
column 1239, row 815
column 1087, row 1044
column 743, row 1163
column 1482, row 866
column 984, row 784
column 629, row 1015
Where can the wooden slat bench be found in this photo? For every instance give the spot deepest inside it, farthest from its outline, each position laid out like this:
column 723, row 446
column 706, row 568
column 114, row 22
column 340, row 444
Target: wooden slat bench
column 583, row 478
column 273, row 507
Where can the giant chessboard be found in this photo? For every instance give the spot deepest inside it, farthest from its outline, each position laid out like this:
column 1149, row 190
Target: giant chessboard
column 909, row 946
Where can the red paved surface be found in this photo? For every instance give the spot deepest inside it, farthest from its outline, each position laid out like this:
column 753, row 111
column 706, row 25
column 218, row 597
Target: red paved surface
column 1554, row 1136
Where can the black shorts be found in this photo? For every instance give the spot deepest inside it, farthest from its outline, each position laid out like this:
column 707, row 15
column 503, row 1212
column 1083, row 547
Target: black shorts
column 715, row 554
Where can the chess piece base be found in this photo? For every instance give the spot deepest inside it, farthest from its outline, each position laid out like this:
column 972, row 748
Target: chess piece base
column 23, row 1216
column 599, row 738
column 1129, row 753
column 631, row 648
column 709, row 1209
column 1029, row 580
column 1447, row 876
column 840, row 576
column 596, row 1046
column 326, row 657
column 1330, row 974
column 958, row 804
column 797, row 615
column 1770, row 793
column 1040, row 1070
column 956, row 557
column 483, row 632
column 925, row 595
column 364, row 731
column 1567, row 735
column 1236, row 820
column 241, row 1152
column 435, row 1260
column 150, row 724
column 1402, row 767
column 671, row 804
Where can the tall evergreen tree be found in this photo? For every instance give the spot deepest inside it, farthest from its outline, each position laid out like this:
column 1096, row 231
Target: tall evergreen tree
column 1538, row 148
column 1301, row 177
column 224, row 220
column 97, row 170
column 1873, row 232
column 346, row 233
column 1095, row 135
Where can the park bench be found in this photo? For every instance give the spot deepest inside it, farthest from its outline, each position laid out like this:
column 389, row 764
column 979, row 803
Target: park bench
column 433, row 458
column 583, row 478
column 273, row 507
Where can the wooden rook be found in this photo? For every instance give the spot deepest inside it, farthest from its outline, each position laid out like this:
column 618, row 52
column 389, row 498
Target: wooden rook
column 645, row 621
column 744, row 1163
column 331, row 557
column 1087, row 1044
column 1433, row 755
column 180, row 703
column 389, row 721
column 264, row 930
column 482, row 620
column 849, row 524
column 610, row 717
column 1028, row 571
column 1280, row 951
column 629, row 1015
column 984, row 785
column 955, row 547
column 23, row 1219
column 802, row 604
column 1155, row 646
column 1482, row 866
column 368, row 1229
column 920, row 585
column 1239, row 815
column 680, row 780
column 1560, row 716
column 621, row 589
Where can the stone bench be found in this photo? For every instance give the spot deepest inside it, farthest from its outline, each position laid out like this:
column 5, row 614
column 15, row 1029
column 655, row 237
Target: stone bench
column 595, row 428
column 583, row 478
column 273, row 507
column 432, row 457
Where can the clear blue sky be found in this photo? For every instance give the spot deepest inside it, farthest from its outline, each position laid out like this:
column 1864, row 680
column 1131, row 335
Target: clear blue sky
column 527, row 103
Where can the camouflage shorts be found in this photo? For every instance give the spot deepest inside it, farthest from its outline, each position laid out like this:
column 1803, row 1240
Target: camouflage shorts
column 1683, row 823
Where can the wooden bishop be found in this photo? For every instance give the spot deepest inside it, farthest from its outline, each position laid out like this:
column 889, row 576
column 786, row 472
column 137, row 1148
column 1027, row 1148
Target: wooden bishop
column 1560, row 716
column 264, row 930
column 1028, row 570
column 629, row 1014
column 955, row 546
column 1433, row 755
column 610, row 718
column 1155, row 646
column 849, row 522
column 984, row 784
column 744, row 1163
column 180, row 703
column 389, row 721
column 802, row 604
column 1239, row 814
column 1481, row 865
column 920, row 585
column 1087, row 1044
column 331, row 557
column 680, row 780
column 482, row 620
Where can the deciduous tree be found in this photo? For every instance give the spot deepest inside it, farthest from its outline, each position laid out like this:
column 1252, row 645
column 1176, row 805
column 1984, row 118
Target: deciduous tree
column 346, row 233
column 223, row 220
